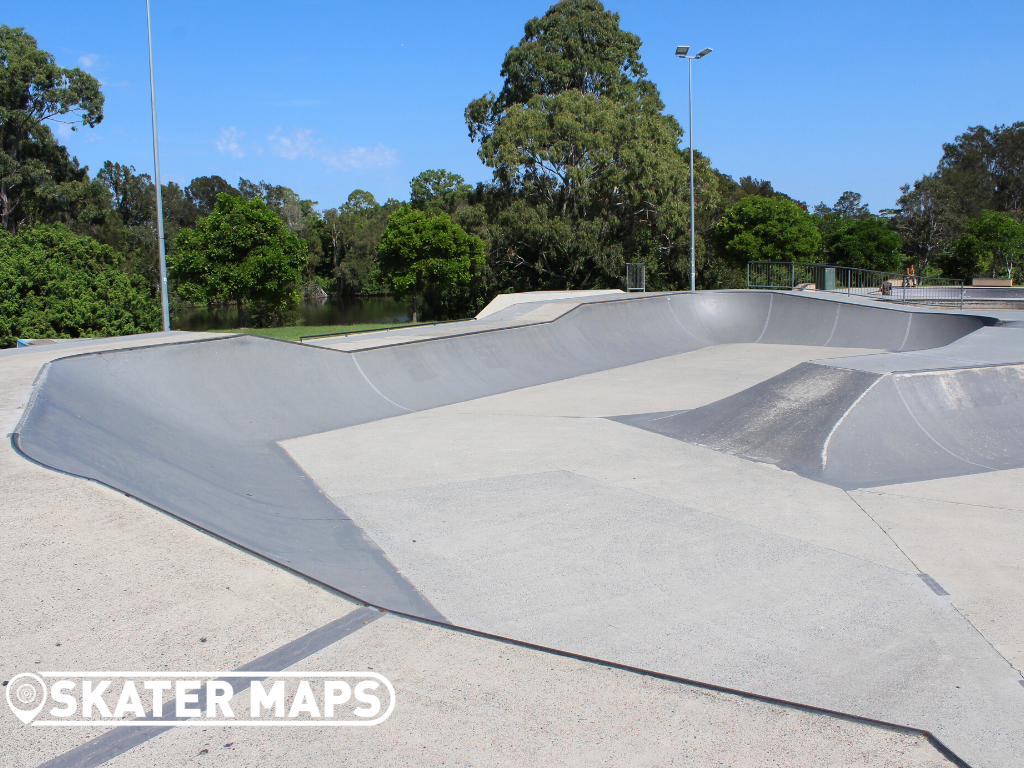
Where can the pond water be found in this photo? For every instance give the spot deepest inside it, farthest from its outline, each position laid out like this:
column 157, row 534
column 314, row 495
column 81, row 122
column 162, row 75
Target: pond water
column 348, row 311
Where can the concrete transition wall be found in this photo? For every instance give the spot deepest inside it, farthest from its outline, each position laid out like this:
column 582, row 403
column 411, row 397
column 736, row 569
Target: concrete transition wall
column 193, row 428
column 856, row 429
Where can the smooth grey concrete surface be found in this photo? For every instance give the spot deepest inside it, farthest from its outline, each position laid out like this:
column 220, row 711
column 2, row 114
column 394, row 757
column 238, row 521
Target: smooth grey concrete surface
column 568, row 562
column 785, row 421
column 971, row 547
column 491, row 443
column 505, row 300
column 999, row 345
column 192, row 428
column 855, row 428
column 587, row 534
column 92, row 579
column 214, row 465
column 195, row 429
column 877, row 419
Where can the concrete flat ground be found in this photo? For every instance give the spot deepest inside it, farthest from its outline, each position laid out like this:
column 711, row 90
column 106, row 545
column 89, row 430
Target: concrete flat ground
column 585, row 568
column 92, row 579
column 540, row 514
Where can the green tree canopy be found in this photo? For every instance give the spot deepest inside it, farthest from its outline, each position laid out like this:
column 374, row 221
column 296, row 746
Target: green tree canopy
column 133, row 231
column 576, row 46
column 34, row 91
column 587, row 170
column 300, row 216
column 833, row 220
column 985, row 169
column 243, row 253
column 926, row 219
column 1002, row 238
column 349, row 238
column 417, row 250
column 132, row 194
column 438, row 190
column 58, row 285
column 766, row 229
column 964, row 260
column 866, row 243
column 848, row 206
column 202, row 193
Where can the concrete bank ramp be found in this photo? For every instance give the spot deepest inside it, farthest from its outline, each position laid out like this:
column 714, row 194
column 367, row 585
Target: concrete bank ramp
column 193, row 428
column 855, row 429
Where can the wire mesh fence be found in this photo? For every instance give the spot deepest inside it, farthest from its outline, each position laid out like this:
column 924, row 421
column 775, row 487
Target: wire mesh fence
column 883, row 286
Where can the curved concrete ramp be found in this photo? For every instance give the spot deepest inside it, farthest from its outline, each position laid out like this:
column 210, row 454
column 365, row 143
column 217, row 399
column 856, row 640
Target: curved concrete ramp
column 785, row 421
column 856, row 429
column 930, row 424
column 193, row 428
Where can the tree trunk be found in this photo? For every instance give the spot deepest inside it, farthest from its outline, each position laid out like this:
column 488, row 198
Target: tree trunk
column 241, row 314
column 5, row 210
column 414, row 306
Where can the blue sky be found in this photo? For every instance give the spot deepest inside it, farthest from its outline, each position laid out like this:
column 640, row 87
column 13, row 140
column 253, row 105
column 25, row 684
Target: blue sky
column 327, row 97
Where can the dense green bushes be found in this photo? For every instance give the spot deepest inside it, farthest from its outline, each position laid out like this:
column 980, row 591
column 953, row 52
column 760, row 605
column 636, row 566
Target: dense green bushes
column 58, row 285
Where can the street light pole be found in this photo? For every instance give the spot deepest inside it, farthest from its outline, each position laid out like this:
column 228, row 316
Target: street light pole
column 165, row 310
column 693, row 231
column 681, row 52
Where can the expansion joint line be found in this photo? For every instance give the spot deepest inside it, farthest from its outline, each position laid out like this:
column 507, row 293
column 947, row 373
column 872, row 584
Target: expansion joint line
column 884, row 532
column 917, row 568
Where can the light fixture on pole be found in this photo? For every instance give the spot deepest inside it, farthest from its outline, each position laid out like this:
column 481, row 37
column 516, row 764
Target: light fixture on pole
column 165, row 311
column 682, row 52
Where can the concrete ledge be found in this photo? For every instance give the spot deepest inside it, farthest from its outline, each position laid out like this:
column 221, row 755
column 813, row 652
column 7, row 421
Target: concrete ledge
column 506, row 300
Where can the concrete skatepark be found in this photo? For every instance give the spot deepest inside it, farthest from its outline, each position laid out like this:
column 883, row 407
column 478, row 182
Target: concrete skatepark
column 806, row 498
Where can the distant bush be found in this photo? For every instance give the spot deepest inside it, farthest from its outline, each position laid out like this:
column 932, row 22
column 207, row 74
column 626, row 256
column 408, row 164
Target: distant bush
column 864, row 244
column 58, row 285
column 766, row 229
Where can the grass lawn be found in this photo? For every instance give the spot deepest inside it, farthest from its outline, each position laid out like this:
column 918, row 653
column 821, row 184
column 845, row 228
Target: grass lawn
column 293, row 332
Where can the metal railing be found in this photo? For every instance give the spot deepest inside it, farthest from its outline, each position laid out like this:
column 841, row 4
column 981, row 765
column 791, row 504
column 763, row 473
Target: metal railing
column 882, row 286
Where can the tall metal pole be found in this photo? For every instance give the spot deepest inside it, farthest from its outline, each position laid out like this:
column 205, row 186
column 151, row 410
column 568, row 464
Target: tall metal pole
column 693, row 237
column 165, row 310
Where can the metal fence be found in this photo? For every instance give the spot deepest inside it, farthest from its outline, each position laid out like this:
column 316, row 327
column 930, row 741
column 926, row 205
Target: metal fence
column 883, row 286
